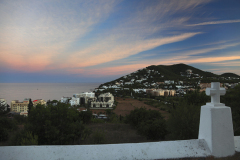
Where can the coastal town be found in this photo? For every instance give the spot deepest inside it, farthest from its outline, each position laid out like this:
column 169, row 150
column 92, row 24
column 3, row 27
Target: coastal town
column 82, row 100
column 141, row 83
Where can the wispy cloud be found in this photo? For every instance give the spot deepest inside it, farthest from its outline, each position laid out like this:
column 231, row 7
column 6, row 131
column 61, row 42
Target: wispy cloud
column 38, row 31
column 103, row 52
column 215, row 22
column 45, row 32
column 78, row 36
column 133, row 34
column 207, row 50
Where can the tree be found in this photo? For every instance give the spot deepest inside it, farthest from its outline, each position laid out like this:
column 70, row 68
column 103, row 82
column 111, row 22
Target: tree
column 231, row 99
column 183, row 122
column 56, row 125
column 29, row 139
column 149, row 123
column 30, row 106
column 6, row 125
column 196, row 98
column 86, row 116
column 153, row 129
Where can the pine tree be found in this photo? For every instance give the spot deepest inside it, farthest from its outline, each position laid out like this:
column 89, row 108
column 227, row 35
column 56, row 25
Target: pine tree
column 30, row 106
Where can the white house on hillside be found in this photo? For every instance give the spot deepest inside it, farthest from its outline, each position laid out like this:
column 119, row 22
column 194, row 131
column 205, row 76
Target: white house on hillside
column 169, row 82
column 105, row 100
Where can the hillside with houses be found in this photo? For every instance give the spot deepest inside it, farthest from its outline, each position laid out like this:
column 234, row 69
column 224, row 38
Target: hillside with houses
column 161, row 80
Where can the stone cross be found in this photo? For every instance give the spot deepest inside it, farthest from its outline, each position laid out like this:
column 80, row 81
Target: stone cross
column 215, row 92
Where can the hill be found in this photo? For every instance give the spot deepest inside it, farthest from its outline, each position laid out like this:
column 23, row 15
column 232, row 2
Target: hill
column 229, row 75
column 176, row 74
column 158, row 73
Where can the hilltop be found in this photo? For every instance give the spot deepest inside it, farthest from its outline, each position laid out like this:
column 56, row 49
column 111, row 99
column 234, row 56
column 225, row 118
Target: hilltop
column 229, row 75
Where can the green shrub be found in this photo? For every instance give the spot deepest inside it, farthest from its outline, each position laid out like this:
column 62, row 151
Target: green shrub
column 231, row 99
column 149, row 123
column 163, row 109
column 7, row 123
column 183, row 122
column 98, row 137
column 3, row 134
column 153, row 129
column 56, row 125
column 86, row 116
column 96, row 120
column 86, row 133
column 20, row 119
column 29, row 139
column 24, row 137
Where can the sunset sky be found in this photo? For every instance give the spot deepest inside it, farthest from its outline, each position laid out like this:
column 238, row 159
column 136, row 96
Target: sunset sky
column 99, row 41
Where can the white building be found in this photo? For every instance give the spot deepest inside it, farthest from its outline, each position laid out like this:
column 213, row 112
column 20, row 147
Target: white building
column 65, row 99
column 189, row 71
column 84, row 94
column 104, row 87
column 139, row 90
column 3, row 103
column 74, row 101
column 138, row 81
column 169, row 82
column 114, row 86
column 105, row 100
column 128, row 83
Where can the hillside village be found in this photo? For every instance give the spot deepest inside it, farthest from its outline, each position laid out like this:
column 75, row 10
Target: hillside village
column 175, row 80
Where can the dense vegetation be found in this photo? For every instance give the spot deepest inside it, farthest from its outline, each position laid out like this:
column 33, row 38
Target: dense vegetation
column 185, row 116
column 51, row 125
column 58, row 124
column 62, row 124
column 6, row 125
column 231, row 99
column 149, row 123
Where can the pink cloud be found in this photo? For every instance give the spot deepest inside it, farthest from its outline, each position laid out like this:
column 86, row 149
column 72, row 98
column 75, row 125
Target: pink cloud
column 103, row 52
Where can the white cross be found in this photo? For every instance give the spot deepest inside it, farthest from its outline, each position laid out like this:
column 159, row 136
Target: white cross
column 215, row 92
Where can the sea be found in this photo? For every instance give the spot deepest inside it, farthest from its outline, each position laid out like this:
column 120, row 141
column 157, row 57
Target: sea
column 46, row 91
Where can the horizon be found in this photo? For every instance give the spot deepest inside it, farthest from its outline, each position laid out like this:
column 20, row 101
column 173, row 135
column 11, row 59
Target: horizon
column 100, row 41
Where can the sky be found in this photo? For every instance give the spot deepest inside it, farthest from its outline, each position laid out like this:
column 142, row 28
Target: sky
column 102, row 40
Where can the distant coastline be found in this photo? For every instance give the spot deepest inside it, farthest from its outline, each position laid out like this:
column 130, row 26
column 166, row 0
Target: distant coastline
column 46, row 91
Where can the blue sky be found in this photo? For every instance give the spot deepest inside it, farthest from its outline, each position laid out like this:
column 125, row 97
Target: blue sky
column 98, row 41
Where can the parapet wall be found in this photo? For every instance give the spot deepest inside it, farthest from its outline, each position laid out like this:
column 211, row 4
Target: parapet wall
column 152, row 150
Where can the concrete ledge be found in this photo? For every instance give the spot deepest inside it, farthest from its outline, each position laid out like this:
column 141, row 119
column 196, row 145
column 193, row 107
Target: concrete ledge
column 153, row 150
column 237, row 143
